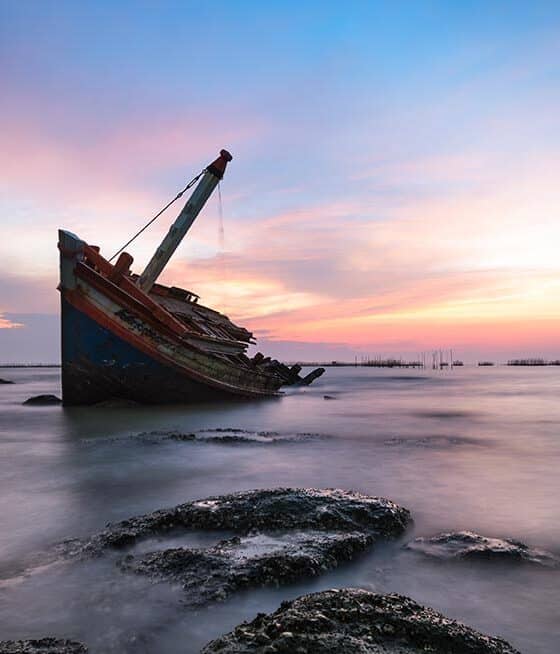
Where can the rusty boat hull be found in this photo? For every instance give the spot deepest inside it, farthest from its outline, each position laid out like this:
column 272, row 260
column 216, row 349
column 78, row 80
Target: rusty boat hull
column 162, row 347
column 98, row 366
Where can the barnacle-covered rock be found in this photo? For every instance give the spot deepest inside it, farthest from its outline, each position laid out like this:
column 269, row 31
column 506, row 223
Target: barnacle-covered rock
column 354, row 621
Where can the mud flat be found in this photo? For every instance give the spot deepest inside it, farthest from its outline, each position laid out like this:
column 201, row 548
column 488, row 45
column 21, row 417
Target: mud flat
column 466, row 545
column 351, row 621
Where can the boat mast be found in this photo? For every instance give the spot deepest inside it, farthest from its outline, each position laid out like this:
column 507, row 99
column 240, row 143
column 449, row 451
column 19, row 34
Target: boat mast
column 208, row 182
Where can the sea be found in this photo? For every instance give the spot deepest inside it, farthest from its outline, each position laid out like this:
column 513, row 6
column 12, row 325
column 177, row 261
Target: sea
column 464, row 449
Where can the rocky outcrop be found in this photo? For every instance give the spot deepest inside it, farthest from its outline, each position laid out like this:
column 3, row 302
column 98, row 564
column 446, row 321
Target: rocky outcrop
column 43, row 400
column 282, row 535
column 42, row 646
column 242, row 563
column 5, row 381
column 227, row 436
column 467, row 545
column 279, row 509
column 218, row 436
column 354, row 621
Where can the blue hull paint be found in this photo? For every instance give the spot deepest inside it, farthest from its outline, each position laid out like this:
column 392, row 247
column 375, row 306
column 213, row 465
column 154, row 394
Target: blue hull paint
column 98, row 365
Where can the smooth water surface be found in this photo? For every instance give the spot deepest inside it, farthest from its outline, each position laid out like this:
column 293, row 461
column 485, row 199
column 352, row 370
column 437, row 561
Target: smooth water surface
column 470, row 448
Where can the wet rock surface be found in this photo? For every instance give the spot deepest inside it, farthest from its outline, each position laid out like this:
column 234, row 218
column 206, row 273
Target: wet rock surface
column 219, row 436
column 5, row 381
column 228, row 436
column 466, row 545
column 235, row 435
column 241, row 563
column 279, row 509
column 43, row 400
column 281, row 535
column 351, row 621
column 42, row 646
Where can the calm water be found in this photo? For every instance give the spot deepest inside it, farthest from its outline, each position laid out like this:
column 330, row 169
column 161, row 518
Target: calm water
column 472, row 448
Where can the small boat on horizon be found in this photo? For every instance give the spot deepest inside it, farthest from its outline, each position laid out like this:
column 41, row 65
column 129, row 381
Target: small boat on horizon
column 126, row 337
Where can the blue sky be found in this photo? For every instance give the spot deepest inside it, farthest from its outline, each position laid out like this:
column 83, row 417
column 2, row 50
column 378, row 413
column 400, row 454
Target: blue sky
column 391, row 160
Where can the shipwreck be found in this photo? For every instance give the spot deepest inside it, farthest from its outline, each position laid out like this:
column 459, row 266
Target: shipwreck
column 126, row 337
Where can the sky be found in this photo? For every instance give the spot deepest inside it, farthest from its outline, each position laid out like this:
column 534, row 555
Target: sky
column 394, row 184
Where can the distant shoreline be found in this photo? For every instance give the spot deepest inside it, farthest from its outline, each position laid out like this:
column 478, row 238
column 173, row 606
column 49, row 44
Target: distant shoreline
column 343, row 364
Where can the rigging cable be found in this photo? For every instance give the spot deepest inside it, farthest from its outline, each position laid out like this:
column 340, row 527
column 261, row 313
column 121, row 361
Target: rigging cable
column 179, row 195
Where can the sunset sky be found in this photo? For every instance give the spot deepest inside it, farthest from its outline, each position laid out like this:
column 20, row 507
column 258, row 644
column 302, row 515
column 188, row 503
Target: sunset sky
column 395, row 182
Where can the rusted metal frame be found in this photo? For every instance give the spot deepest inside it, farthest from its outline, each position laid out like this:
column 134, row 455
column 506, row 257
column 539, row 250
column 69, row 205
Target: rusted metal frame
column 80, row 302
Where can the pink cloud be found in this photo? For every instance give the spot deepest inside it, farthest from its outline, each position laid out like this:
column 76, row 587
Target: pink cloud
column 107, row 166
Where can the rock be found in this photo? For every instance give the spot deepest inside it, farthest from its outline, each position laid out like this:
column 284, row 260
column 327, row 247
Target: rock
column 5, row 381
column 329, row 397
column 255, row 561
column 470, row 546
column 42, row 646
column 282, row 535
column 279, row 509
column 43, row 400
column 223, row 436
column 354, row 621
